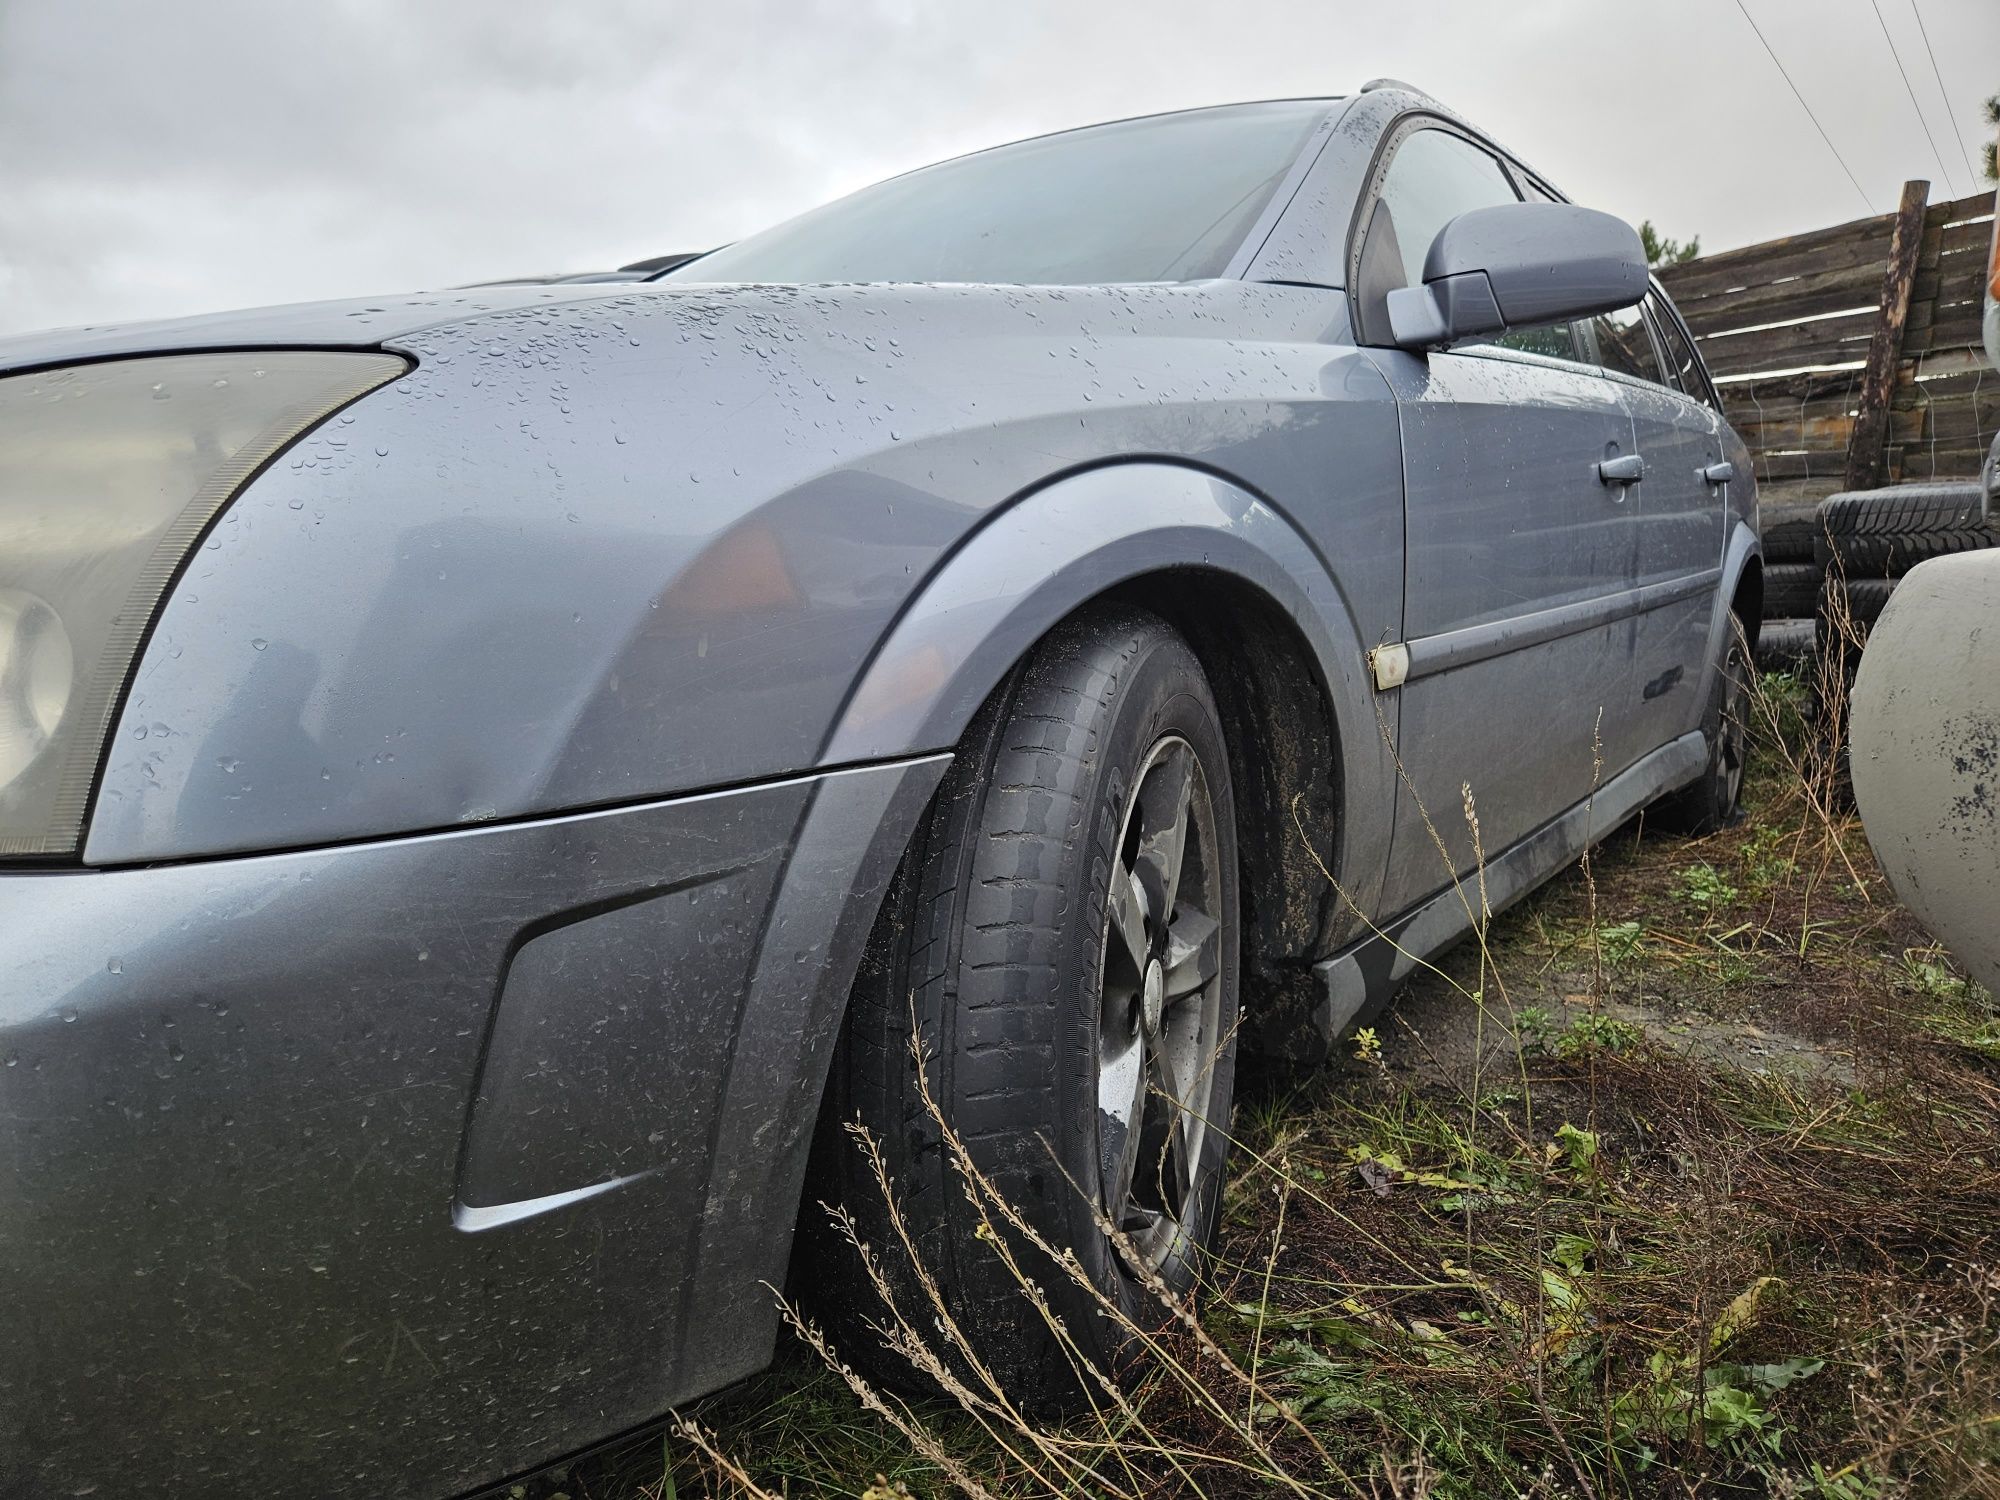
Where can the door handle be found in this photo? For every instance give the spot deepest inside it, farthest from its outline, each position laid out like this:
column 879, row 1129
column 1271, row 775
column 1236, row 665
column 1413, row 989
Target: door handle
column 1628, row 468
column 1719, row 473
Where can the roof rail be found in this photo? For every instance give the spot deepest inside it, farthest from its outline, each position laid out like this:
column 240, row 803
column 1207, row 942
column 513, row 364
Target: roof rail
column 1374, row 84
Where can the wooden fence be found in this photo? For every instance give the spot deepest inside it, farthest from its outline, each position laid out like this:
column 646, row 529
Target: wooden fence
column 1788, row 328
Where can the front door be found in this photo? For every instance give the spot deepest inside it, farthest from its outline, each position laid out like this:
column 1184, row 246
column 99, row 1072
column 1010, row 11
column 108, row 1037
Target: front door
column 1518, row 556
column 1520, row 559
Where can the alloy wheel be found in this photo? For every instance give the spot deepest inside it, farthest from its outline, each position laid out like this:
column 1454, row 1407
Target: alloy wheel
column 1160, row 1005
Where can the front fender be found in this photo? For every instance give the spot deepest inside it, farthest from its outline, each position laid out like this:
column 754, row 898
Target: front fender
column 1048, row 554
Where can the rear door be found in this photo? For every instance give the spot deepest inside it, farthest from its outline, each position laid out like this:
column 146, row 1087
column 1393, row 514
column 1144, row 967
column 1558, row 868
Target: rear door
column 1677, row 513
column 1518, row 556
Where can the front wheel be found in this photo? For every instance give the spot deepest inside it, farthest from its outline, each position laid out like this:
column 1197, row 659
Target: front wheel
column 1064, row 932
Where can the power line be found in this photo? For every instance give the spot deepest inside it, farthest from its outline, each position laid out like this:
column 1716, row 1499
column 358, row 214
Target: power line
column 1956, row 128
column 1805, row 106
column 1950, row 185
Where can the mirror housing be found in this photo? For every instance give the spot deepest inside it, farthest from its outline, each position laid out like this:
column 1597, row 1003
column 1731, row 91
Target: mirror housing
column 1518, row 265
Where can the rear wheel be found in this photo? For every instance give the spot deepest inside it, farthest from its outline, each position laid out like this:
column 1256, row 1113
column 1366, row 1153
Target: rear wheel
column 1710, row 802
column 1065, row 933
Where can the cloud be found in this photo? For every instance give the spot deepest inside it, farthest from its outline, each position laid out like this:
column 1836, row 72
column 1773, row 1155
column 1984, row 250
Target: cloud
column 160, row 159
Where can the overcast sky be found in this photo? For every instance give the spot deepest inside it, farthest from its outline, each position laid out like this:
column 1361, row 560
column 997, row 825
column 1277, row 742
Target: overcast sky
column 169, row 156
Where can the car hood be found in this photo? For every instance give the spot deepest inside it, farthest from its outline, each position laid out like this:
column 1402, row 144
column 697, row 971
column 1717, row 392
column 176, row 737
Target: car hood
column 356, row 322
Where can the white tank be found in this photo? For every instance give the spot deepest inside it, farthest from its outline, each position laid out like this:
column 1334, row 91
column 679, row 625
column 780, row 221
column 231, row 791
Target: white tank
column 1926, row 751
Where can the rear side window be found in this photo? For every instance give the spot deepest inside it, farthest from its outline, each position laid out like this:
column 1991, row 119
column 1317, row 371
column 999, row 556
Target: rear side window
column 1433, row 177
column 1683, row 367
column 1624, row 345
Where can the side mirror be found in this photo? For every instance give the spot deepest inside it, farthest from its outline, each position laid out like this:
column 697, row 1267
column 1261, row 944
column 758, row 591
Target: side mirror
column 1518, row 265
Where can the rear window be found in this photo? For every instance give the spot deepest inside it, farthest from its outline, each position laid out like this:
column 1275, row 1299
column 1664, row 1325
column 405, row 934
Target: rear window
column 1168, row 198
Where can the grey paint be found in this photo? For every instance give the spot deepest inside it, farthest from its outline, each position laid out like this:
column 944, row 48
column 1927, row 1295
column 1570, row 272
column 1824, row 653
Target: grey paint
column 1926, row 751
column 1518, row 265
column 235, row 1095
column 1507, row 522
column 1081, row 535
column 467, row 1130
column 565, row 562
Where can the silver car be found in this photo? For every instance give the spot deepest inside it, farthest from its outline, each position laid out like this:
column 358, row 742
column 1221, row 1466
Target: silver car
column 488, row 780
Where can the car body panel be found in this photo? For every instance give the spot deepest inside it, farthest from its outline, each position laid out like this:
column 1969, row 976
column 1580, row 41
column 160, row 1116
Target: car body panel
column 1508, row 527
column 1678, row 523
column 563, row 564
column 349, row 323
column 252, row 1077
column 1020, row 575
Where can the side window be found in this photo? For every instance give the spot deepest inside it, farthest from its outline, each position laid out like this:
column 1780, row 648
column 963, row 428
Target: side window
column 1624, row 345
column 1683, row 368
column 1434, row 177
column 1558, row 341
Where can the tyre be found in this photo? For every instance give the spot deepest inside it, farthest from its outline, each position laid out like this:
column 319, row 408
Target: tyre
column 1865, row 597
column 1791, row 590
column 1709, row 802
column 1788, row 532
column 1885, row 533
column 1784, row 645
column 1064, row 930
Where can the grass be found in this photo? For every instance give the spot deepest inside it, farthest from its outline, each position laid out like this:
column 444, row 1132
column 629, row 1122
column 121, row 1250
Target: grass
column 1683, row 1179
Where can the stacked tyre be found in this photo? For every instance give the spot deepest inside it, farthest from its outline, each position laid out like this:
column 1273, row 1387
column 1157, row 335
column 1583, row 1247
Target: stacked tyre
column 1865, row 540
column 1792, row 575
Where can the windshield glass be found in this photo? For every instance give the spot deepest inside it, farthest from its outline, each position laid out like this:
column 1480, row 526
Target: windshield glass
column 1167, row 198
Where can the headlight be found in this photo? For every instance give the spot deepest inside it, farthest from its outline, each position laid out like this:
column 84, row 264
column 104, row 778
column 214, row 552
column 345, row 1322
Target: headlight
column 108, row 475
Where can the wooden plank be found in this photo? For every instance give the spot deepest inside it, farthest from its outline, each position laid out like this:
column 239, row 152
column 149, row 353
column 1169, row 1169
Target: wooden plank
column 1822, row 341
column 1959, row 420
column 1922, row 461
column 1826, row 430
column 1826, row 466
column 1871, row 425
column 1789, row 389
column 1980, row 378
column 1957, row 327
column 1958, row 280
column 1797, row 246
column 1792, row 491
column 1968, row 238
column 1962, row 208
column 1809, row 296
column 1861, row 269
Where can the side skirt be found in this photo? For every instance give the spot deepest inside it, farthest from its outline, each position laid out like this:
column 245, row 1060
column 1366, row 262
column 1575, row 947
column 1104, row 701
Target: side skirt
column 1357, row 982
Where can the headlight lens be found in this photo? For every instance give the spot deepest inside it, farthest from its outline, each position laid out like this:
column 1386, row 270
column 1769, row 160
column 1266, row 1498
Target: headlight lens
column 108, row 475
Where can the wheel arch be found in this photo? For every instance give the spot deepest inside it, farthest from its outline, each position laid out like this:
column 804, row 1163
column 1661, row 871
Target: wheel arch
column 1262, row 611
column 1746, row 599
column 1739, row 595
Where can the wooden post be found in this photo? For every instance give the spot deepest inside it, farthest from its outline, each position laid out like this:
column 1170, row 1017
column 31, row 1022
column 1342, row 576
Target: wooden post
column 1885, row 350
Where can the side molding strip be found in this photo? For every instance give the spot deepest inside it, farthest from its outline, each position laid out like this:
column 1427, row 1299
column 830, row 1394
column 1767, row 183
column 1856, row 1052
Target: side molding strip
column 1460, row 648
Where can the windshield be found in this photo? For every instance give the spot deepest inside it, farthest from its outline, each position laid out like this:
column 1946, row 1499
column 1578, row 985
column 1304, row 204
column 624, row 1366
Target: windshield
column 1168, row 198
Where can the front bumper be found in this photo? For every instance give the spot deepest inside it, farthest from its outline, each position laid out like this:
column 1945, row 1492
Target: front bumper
column 401, row 1166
